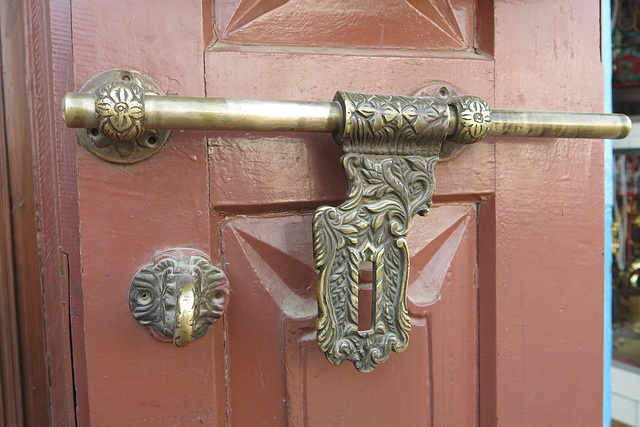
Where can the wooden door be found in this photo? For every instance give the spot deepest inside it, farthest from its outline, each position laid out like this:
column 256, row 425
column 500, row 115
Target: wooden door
column 512, row 246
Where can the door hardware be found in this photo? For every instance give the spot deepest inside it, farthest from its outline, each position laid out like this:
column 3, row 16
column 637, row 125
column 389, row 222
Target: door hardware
column 117, row 98
column 179, row 295
column 390, row 147
column 121, row 112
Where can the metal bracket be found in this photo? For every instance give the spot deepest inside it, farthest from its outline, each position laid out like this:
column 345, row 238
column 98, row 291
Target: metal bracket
column 120, row 135
column 391, row 145
column 439, row 89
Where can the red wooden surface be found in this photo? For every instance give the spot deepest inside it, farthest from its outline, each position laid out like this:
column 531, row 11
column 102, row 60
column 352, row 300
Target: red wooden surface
column 65, row 297
column 56, row 183
column 517, row 330
column 128, row 213
column 10, row 382
column 39, row 174
column 549, row 220
column 23, row 31
column 393, row 24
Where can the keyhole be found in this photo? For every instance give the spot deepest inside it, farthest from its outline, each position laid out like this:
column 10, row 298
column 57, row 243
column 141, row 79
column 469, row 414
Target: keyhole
column 365, row 296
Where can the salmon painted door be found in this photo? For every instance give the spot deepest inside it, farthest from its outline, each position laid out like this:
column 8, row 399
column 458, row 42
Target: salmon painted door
column 504, row 297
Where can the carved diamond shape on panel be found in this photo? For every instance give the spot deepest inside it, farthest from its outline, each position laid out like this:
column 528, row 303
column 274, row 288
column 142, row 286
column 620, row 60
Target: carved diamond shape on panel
column 442, row 15
column 279, row 252
column 389, row 24
column 247, row 11
column 272, row 344
column 432, row 248
column 276, row 250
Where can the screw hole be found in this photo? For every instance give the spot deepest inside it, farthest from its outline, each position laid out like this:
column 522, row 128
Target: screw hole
column 218, row 295
column 143, row 297
column 152, row 140
column 94, row 132
column 444, row 92
column 126, row 77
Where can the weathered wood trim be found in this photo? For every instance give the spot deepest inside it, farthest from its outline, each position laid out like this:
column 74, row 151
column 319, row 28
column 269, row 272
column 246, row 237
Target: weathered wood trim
column 37, row 382
column 10, row 386
column 20, row 167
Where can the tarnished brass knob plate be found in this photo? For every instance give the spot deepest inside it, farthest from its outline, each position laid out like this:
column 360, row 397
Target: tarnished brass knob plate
column 451, row 147
column 179, row 295
column 120, row 135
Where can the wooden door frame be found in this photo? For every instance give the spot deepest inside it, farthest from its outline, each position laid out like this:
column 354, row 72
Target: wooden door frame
column 11, row 405
column 38, row 222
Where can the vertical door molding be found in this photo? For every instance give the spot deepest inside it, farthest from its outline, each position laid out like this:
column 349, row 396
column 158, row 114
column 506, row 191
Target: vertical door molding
column 10, row 387
column 549, row 216
column 36, row 290
column 26, row 281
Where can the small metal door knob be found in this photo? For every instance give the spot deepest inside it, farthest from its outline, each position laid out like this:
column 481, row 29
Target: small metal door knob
column 179, row 295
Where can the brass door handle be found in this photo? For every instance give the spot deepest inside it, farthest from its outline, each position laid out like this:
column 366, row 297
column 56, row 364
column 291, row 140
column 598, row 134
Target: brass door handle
column 178, row 295
column 390, row 146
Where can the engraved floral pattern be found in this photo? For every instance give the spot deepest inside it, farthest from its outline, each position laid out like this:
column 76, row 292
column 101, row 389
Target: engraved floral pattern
column 120, row 111
column 379, row 112
column 391, row 146
column 474, row 120
column 371, row 225
column 392, row 125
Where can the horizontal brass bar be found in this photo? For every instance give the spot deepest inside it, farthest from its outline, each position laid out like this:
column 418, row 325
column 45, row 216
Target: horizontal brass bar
column 559, row 124
column 181, row 112
column 178, row 112
column 163, row 112
column 79, row 110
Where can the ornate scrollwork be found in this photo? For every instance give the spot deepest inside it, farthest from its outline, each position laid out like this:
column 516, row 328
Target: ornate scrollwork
column 391, row 146
column 474, row 119
column 156, row 288
column 384, row 193
column 120, row 110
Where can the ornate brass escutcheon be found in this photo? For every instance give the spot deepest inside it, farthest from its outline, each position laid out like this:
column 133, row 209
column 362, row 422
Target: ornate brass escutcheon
column 179, row 295
column 390, row 147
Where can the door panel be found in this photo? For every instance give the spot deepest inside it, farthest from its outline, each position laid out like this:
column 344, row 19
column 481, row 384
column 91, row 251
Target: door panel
column 549, row 218
column 275, row 372
column 127, row 214
column 246, row 199
column 278, row 375
column 393, row 24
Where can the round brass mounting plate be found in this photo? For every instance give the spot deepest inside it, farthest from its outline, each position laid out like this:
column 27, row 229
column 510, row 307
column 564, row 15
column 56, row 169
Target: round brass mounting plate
column 117, row 151
column 439, row 89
